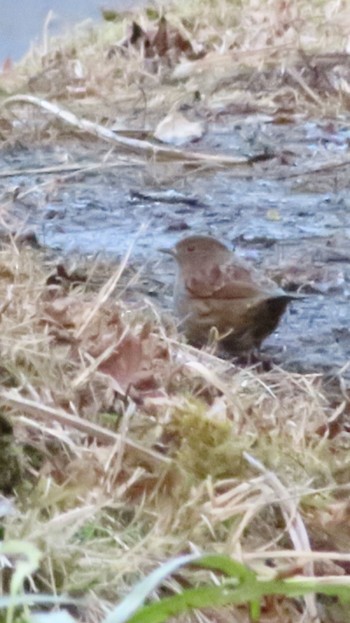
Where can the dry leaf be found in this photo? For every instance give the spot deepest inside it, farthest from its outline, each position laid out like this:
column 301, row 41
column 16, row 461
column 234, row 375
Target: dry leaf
column 134, row 362
column 125, row 364
column 164, row 42
column 177, row 130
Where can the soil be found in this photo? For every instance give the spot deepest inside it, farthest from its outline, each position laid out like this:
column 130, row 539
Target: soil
column 288, row 213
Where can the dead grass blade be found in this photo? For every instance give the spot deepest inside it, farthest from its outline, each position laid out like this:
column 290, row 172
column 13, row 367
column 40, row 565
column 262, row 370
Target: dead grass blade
column 294, row 523
column 45, row 412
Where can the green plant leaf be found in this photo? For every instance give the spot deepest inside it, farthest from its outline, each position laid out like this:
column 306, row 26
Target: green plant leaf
column 248, row 589
column 142, row 590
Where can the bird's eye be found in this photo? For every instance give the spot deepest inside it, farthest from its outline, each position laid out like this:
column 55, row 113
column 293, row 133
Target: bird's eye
column 190, row 249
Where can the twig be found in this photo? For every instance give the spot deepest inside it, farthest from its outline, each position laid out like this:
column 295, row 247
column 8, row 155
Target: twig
column 298, row 79
column 133, row 144
column 62, row 168
column 319, row 169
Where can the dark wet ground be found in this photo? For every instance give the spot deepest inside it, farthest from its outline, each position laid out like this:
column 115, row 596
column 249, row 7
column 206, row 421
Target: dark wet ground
column 279, row 214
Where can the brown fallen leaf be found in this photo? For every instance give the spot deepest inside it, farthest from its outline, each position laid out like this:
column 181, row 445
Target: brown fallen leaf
column 164, row 42
column 134, row 363
column 125, row 363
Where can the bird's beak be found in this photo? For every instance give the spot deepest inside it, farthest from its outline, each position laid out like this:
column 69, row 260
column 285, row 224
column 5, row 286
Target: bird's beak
column 171, row 252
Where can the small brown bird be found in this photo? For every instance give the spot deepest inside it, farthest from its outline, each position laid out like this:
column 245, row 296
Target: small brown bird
column 215, row 289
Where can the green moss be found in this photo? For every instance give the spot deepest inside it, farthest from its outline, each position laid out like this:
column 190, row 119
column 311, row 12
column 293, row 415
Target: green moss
column 207, row 445
column 10, row 458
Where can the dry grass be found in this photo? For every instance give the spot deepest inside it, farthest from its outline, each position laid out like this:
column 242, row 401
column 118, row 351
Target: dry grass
column 129, row 446
column 280, row 58
column 132, row 446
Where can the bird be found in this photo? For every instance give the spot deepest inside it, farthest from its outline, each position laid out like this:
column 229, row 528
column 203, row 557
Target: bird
column 216, row 291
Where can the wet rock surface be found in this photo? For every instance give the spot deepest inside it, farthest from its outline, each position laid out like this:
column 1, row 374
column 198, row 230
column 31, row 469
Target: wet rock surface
column 288, row 214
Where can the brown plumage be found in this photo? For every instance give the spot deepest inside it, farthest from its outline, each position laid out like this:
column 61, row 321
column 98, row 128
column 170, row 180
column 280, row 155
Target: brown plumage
column 215, row 289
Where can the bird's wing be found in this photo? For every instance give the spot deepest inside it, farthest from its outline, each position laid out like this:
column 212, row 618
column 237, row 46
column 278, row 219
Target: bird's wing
column 233, row 281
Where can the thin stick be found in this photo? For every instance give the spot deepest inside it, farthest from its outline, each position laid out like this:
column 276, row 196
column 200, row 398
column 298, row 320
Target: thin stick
column 133, row 144
column 62, row 168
